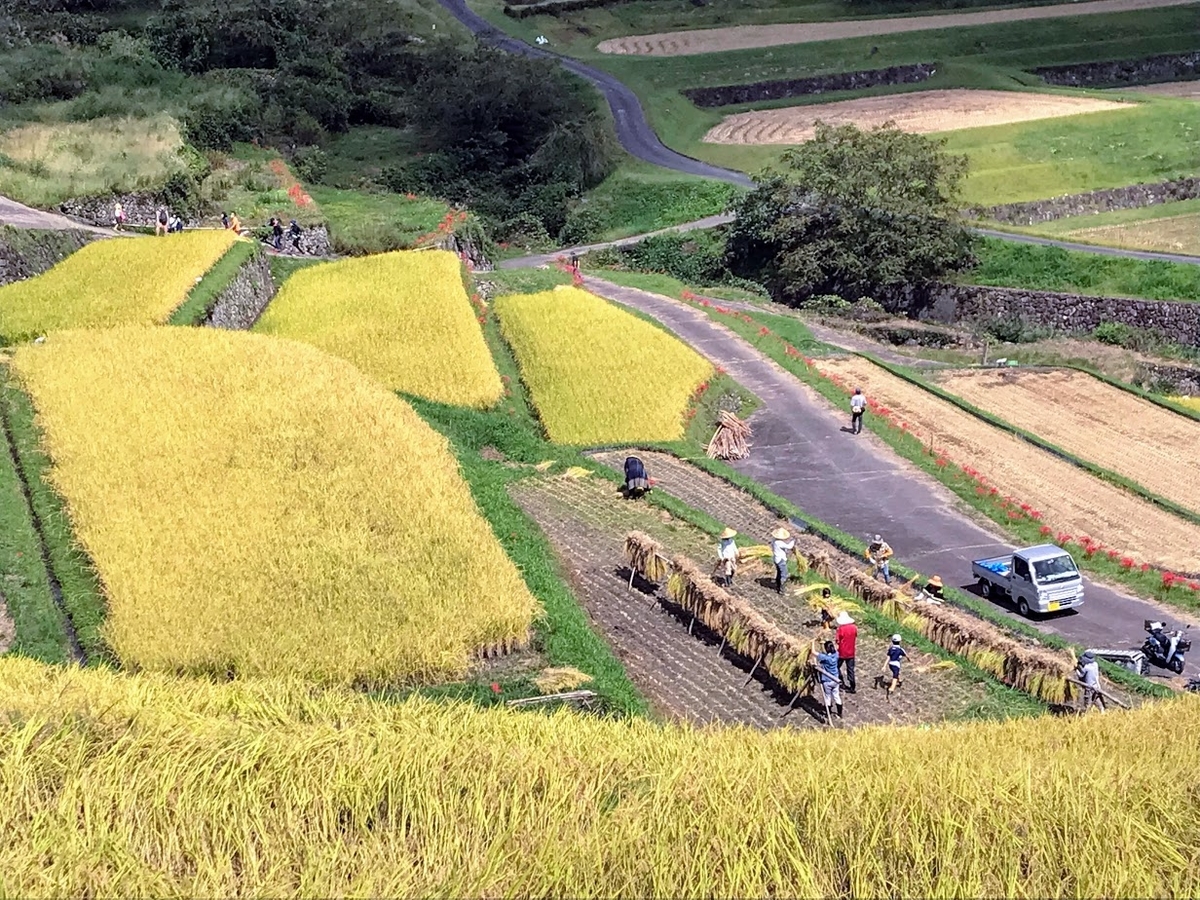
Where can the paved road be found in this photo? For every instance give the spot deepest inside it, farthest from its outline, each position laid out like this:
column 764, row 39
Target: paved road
column 633, row 131
column 21, row 216
column 858, row 485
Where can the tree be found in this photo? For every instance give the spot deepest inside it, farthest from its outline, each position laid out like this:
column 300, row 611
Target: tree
column 855, row 213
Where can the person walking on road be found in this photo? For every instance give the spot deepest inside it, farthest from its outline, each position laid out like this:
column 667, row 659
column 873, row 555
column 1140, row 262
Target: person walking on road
column 879, row 553
column 894, row 655
column 277, row 235
column 118, row 216
column 847, row 639
column 727, row 555
column 781, row 544
column 1088, row 672
column 827, row 671
column 858, row 404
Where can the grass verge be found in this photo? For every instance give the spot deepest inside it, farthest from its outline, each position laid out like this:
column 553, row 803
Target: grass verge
column 201, row 299
column 362, row 223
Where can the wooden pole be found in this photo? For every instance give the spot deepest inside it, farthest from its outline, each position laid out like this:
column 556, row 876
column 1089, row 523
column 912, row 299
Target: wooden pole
column 1102, row 693
column 753, row 670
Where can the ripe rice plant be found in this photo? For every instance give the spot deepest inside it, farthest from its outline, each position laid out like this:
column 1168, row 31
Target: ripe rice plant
column 149, row 786
column 111, row 282
column 597, row 373
column 402, row 318
column 243, row 519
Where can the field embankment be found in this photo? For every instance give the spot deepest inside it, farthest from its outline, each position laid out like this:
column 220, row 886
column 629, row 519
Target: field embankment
column 254, row 506
column 403, row 318
column 1153, row 447
column 314, row 791
column 597, row 373
column 1069, row 499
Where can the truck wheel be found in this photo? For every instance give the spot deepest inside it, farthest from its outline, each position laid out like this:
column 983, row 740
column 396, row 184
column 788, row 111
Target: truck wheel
column 985, row 588
column 1023, row 607
column 1176, row 665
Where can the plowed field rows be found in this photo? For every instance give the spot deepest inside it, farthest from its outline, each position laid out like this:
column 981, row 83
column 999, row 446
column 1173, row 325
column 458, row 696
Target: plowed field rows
column 1070, row 499
column 1156, row 448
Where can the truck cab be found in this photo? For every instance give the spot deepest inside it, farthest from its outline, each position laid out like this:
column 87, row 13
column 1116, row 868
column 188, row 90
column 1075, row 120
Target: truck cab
column 1041, row 579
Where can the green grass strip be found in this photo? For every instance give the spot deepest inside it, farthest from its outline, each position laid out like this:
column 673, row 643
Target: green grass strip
column 39, row 625
column 1030, row 438
column 201, row 299
column 82, row 599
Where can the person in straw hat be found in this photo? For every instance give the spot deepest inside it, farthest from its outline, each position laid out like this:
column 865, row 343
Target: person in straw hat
column 847, row 639
column 781, row 544
column 727, row 554
column 932, row 591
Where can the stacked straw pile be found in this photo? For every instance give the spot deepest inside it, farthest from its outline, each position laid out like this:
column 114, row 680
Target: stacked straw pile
column 731, row 439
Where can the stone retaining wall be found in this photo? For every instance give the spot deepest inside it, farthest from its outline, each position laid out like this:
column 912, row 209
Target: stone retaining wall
column 1183, row 380
column 728, row 94
column 1114, row 73
column 1132, row 197
column 245, row 297
column 28, row 252
column 140, row 209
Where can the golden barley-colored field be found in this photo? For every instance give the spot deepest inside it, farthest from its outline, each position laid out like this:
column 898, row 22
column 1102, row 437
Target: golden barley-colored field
column 596, row 372
column 145, row 786
column 111, row 282
column 243, row 518
column 403, row 318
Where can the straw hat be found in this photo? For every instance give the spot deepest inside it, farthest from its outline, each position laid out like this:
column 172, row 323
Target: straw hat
column 843, row 618
column 780, row 534
column 936, row 581
column 727, row 533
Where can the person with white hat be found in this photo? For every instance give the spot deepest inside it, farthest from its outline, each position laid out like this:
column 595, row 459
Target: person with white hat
column 781, row 543
column 727, row 554
column 894, row 655
column 878, row 552
column 847, row 638
column 1088, row 672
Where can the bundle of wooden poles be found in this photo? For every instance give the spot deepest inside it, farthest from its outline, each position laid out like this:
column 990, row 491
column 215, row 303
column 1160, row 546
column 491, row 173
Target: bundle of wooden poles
column 731, row 439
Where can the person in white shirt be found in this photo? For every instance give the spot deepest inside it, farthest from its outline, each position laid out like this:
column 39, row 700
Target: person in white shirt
column 781, row 544
column 727, row 553
column 858, row 403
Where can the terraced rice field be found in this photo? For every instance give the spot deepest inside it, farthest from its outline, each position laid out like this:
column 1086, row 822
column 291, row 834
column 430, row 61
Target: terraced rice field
column 1175, row 234
column 598, row 373
column 124, row 281
column 752, row 37
column 255, row 506
column 403, row 318
column 920, row 112
column 1070, row 500
column 1156, row 448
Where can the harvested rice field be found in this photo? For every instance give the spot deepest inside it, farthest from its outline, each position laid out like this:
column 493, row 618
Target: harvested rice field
column 753, row 37
column 1156, row 448
column 1069, row 499
column 920, row 112
column 257, row 507
column 1176, row 234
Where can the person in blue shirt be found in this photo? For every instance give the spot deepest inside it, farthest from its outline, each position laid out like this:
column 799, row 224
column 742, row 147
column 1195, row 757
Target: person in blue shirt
column 827, row 672
column 894, row 655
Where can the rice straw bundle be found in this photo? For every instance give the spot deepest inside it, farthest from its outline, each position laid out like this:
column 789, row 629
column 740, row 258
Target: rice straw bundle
column 646, row 556
column 731, row 439
column 820, row 564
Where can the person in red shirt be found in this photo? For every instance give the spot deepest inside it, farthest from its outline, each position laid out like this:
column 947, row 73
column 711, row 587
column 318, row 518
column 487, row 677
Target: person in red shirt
column 847, row 637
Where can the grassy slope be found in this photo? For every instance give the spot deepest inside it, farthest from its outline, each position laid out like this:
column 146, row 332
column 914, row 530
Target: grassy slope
column 200, row 299
column 364, row 223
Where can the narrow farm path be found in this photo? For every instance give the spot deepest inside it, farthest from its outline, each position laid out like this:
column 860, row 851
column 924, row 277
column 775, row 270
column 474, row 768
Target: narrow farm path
column 684, row 676
column 803, row 452
column 19, row 215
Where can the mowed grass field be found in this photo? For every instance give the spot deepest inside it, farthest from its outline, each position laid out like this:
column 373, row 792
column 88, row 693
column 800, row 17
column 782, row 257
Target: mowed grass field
column 597, row 373
column 119, row 281
column 269, row 788
column 403, row 318
column 255, row 506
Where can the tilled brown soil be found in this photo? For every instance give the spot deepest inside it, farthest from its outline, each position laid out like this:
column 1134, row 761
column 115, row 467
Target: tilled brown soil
column 683, row 675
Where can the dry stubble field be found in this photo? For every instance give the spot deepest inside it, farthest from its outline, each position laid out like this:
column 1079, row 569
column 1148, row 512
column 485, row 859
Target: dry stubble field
column 1150, row 445
column 750, row 37
column 920, row 112
column 1070, row 499
column 1189, row 90
column 1177, row 234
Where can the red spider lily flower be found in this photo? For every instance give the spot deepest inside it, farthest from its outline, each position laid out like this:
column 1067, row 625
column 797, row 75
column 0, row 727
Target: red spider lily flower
column 1044, row 530
column 1126, row 562
column 764, row 331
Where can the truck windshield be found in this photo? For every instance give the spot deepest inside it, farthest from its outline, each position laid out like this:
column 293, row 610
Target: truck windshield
column 1057, row 568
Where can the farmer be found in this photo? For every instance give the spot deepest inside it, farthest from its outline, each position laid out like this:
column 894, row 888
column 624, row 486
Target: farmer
column 827, row 670
column 636, row 482
column 878, row 552
column 277, row 234
column 858, row 403
column 932, row 592
column 781, row 543
column 894, row 655
column 1088, row 671
column 847, row 638
column 727, row 555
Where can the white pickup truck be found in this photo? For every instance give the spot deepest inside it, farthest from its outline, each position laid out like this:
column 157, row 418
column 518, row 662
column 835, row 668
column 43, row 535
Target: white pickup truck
column 1042, row 579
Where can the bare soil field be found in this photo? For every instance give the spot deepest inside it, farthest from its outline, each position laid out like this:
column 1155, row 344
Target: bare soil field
column 1070, row 500
column 1149, row 445
column 1189, row 90
column 1176, row 234
column 920, row 112
column 749, row 37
